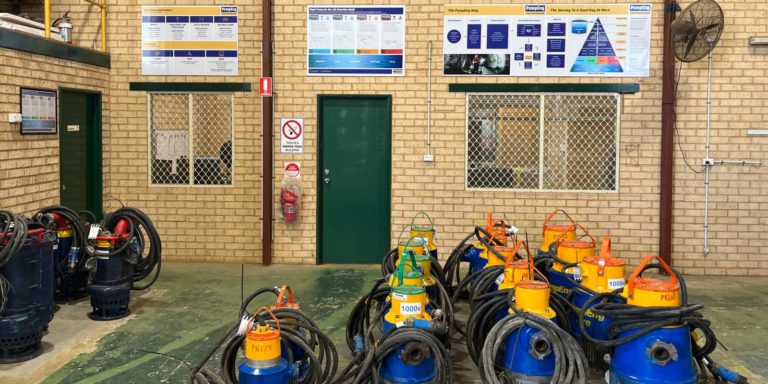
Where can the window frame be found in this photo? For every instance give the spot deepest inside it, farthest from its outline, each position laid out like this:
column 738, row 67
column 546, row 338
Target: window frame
column 190, row 112
column 542, row 127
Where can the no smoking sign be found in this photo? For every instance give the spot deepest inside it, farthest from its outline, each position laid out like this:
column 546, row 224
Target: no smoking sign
column 292, row 135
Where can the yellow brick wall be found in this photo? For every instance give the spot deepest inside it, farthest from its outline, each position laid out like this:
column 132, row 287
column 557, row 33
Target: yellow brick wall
column 226, row 221
column 740, row 198
column 29, row 164
column 213, row 224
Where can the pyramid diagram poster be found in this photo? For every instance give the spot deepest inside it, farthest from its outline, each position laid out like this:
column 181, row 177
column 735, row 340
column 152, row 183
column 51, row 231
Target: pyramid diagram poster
column 587, row 40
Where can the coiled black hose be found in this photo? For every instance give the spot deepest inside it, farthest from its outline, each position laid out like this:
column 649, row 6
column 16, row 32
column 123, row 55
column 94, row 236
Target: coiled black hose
column 13, row 235
column 202, row 375
column 571, row 365
column 452, row 266
column 364, row 368
column 146, row 234
column 295, row 328
column 76, row 225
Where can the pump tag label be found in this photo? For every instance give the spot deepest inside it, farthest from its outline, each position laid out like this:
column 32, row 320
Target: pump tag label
column 410, row 308
column 500, row 279
column 94, row 231
column 399, row 296
column 615, row 283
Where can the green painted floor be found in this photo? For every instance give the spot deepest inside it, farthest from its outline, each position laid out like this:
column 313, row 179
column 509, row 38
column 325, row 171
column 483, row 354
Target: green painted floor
column 192, row 304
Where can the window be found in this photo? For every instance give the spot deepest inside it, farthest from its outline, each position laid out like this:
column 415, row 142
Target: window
column 196, row 126
column 543, row 142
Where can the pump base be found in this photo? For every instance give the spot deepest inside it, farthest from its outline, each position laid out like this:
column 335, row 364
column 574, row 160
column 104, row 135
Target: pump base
column 109, row 302
column 519, row 378
column 21, row 347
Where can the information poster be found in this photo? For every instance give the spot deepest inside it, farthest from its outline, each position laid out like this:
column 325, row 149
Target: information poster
column 189, row 40
column 38, row 111
column 612, row 40
column 356, row 40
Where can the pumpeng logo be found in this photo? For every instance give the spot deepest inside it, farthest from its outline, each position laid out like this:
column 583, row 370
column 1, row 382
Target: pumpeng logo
column 228, row 10
column 639, row 7
column 535, row 8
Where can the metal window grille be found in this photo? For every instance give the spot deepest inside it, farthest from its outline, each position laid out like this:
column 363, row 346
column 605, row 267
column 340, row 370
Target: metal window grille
column 196, row 126
column 543, row 142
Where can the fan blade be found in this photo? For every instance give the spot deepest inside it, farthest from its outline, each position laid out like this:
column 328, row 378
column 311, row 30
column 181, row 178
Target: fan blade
column 708, row 27
column 689, row 46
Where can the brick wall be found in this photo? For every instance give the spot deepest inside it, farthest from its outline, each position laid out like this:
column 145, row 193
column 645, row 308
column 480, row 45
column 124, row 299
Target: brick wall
column 739, row 208
column 224, row 223
column 213, row 224
column 29, row 164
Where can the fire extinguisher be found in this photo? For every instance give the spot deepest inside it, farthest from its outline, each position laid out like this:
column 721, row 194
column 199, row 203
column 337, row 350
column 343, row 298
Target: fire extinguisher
column 290, row 194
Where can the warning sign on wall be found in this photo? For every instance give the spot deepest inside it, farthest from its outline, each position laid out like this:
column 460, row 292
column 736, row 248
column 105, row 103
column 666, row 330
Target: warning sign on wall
column 292, row 135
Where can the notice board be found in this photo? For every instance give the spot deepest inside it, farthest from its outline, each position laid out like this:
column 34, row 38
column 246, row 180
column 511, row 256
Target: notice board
column 590, row 40
column 356, row 40
column 189, row 40
column 38, row 111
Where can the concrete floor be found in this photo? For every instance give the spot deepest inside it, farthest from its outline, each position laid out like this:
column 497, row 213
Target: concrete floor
column 192, row 304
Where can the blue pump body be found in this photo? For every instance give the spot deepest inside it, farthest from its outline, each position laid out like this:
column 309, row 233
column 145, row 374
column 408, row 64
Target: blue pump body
column 110, row 287
column 522, row 363
column 29, row 308
column 395, row 370
column 280, row 373
column 633, row 362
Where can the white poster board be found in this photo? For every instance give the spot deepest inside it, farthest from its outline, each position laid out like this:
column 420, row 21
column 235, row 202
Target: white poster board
column 189, row 40
column 590, row 40
column 356, row 40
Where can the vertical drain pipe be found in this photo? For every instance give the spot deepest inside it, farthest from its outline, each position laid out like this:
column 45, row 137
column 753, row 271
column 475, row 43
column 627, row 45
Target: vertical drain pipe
column 667, row 135
column 266, row 138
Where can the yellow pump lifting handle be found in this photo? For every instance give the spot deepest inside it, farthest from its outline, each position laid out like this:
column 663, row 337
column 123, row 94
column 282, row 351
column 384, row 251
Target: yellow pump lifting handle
column 639, row 270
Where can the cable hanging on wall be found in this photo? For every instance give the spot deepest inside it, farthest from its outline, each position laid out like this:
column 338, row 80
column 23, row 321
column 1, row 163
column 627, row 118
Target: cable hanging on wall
column 695, row 33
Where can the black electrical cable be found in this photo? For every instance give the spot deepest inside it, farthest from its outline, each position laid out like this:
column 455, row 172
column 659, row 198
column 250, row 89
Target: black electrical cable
column 194, row 377
column 452, row 266
column 296, row 328
column 13, row 236
column 79, row 234
column 147, row 235
column 644, row 320
column 364, row 368
column 571, row 365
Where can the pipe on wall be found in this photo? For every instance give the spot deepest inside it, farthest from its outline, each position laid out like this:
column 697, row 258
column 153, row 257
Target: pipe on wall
column 266, row 142
column 667, row 136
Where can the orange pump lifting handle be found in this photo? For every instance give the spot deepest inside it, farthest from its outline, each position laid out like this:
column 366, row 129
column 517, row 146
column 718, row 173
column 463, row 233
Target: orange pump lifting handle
column 573, row 227
column 277, row 321
column 520, row 243
column 281, row 296
column 605, row 254
column 551, row 215
column 639, row 269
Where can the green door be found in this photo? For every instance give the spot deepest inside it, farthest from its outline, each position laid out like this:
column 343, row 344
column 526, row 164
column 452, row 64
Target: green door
column 80, row 150
column 354, row 178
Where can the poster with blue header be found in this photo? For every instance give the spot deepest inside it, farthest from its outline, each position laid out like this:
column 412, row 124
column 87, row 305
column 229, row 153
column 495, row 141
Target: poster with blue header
column 589, row 40
column 189, row 40
column 356, row 40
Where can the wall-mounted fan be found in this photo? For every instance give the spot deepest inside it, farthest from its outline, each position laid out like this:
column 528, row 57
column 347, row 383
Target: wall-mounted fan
column 697, row 30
